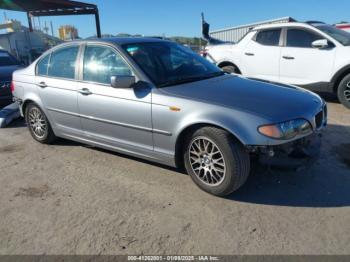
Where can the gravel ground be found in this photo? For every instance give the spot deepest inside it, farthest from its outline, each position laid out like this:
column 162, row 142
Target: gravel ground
column 69, row 198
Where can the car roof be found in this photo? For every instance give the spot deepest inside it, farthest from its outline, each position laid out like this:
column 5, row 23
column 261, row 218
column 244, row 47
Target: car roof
column 287, row 24
column 131, row 40
column 119, row 40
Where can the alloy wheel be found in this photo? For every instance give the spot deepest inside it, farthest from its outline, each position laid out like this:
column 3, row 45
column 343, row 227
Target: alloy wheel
column 37, row 122
column 207, row 161
column 347, row 92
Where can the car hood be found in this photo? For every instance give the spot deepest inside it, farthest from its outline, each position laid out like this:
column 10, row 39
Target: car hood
column 277, row 102
column 6, row 72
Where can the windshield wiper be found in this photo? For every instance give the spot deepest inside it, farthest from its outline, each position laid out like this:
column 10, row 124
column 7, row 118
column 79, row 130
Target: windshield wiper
column 191, row 79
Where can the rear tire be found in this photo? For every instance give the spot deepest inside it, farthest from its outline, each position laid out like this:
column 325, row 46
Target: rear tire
column 230, row 69
column 38, row 124
column 343, row 91
column 216, row 162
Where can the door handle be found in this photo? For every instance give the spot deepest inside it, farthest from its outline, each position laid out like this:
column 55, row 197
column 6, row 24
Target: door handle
column 249, row 54
column 42, row 84
column 85, row 91
column 288, row 57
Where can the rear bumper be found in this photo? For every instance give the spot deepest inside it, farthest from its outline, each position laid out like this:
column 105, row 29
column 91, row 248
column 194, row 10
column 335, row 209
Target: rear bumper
column 293, row 155
column 19, row 102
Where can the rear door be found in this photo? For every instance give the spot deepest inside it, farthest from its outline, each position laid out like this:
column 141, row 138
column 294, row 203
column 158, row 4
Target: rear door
column 301, row 64
column 261, row 57
column 120, row 117
column 56, row 79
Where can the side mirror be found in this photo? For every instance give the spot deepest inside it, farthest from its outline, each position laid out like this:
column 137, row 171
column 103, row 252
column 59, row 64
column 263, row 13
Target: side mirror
column 320, row 44
column 122, row 81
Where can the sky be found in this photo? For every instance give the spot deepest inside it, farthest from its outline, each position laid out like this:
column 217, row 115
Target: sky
column 182, row 17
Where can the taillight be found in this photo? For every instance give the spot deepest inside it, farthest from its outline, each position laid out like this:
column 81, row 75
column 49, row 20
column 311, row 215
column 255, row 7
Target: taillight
column 12, row 87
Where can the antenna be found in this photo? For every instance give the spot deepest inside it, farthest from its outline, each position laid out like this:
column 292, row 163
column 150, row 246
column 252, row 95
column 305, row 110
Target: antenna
column 202, row 14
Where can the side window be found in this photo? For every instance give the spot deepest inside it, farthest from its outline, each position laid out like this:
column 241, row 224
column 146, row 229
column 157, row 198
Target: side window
column 269, row 37
column 43, row 65
column 100, row 63
column 63, row 62
column 301, row 38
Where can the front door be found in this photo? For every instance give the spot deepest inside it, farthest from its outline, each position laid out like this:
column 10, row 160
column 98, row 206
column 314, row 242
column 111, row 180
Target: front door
column 301, row 64
column 120, row 117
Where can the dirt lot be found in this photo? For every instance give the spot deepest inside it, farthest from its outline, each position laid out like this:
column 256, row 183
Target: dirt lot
column 73, row 199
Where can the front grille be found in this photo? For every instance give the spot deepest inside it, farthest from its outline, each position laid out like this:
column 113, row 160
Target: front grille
column 321, row 118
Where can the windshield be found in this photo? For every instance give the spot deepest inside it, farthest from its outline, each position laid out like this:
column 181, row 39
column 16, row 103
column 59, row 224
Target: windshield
column 341, row 36
column 7, row 60
column 167, row 63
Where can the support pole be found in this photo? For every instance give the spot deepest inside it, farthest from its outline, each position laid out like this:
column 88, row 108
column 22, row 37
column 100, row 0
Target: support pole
column 97, row 20
column 29, row 17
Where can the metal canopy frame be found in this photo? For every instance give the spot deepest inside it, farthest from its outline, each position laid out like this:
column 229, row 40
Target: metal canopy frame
column 36, row 8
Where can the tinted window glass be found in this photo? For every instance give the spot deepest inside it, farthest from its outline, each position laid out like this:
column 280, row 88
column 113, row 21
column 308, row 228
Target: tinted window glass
column 100, row 63
column 167, row 63
column 301, row 38
column 43, row 65
column 63, row 62
column 339, row 35
column 269, row 37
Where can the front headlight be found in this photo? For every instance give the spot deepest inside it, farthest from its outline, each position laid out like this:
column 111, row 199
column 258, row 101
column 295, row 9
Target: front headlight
column 286, row 130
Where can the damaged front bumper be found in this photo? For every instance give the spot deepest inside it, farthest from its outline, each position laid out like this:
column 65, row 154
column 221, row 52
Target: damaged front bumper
column 292, row 155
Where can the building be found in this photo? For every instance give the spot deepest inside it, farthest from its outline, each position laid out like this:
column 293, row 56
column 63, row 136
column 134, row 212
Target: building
column 68, row 32
column 234, row 34
column 24, row 45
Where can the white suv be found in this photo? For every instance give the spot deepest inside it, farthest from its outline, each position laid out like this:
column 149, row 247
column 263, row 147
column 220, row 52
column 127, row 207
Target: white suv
column 311, row 55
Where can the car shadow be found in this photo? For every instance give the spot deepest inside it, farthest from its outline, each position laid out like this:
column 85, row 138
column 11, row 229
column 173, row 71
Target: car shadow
column 294, row 189
column 17, row 123
column 325, row 184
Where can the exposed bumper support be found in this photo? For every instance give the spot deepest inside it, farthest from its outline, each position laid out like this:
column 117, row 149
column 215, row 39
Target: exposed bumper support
column 293, row 155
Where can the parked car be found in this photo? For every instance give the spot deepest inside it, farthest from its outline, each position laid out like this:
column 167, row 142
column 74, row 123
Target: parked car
column 8, row 64
column 160, row 101
column 312, row 55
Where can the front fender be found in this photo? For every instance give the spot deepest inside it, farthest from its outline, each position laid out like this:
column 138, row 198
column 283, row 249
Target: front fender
column 240, row 124
column 340, row 72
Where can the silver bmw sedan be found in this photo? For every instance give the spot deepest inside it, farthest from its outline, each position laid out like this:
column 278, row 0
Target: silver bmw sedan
column 159, row 101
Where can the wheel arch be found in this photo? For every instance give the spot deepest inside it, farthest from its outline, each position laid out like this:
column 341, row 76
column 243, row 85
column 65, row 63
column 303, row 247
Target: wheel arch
column 26, row 103
column 339, row 76
column 229, row 63
column 179, row 144
column 31, row 98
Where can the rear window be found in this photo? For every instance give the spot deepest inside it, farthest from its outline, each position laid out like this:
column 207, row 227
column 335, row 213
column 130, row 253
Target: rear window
column 62, row 62
column 269, row 37
column 7, row 60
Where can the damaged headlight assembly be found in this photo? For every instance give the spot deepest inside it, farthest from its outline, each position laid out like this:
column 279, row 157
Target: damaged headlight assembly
column 286, row 130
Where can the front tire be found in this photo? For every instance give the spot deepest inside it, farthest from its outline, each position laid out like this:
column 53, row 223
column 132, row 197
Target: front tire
column 216, row 162
column 344, row 91
column 38, row 124
column 230, row 69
